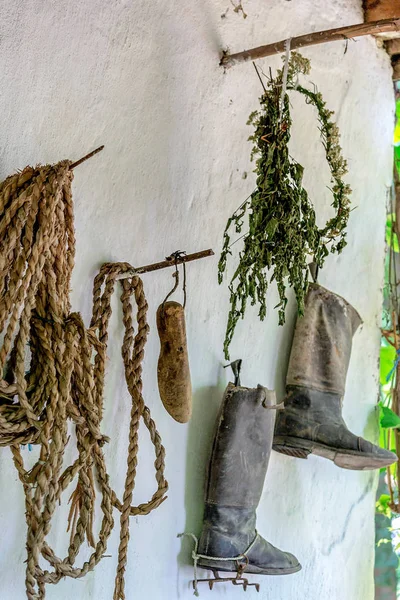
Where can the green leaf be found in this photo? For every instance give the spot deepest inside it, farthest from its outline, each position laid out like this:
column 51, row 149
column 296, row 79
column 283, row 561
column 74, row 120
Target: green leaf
column 397, row 153
column 271, row 227
column 383, row 441
column 391, row 237
column 386, row 362
column 382, row 505
column 384, row 499
column 389, row 419
column 383, row 541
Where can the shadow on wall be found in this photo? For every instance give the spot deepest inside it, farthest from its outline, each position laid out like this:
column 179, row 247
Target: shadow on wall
column 283, row 352
column 206, row 403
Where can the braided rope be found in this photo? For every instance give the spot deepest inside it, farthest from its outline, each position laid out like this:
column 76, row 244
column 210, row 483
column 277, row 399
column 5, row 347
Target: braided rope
column 52, row 372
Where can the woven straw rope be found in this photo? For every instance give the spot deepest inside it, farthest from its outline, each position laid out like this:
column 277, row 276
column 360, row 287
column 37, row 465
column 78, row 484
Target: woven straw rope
column 54, row 372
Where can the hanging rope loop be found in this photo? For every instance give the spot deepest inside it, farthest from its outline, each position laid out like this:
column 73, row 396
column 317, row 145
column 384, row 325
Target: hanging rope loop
column 52, row 373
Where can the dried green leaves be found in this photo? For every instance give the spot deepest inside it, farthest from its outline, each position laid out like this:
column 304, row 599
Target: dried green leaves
column 279, row 218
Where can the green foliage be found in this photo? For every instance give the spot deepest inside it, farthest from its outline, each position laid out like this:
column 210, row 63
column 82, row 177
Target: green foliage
column 396, row 137
column 382, row 505
column 282, row 230
column 391, row 238
column 397, row 158
column 387, row 358
column 389, row 419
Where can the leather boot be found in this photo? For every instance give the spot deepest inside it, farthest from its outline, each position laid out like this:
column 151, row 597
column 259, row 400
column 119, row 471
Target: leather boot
column 237, row 469
column 312, row 421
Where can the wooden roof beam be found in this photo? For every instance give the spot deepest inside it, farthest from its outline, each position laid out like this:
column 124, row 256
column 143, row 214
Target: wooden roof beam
column 312, row 39
column 376, row 10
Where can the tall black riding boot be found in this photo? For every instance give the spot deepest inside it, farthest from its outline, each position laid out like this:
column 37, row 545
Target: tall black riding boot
column 237, row 469
column 312, row 420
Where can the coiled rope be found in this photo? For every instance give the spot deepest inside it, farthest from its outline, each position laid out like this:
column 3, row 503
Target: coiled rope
column 53, row 374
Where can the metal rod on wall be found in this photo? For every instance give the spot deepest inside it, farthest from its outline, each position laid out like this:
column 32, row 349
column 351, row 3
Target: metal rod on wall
column 312, row 39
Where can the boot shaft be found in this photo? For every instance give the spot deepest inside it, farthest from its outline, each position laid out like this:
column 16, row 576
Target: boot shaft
column 312, row 421
column 322, row 342
column 241, row 448
column 237, row 469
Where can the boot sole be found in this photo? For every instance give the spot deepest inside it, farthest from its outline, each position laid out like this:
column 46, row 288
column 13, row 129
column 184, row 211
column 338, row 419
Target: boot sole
column 345, row 459
column 215, row 565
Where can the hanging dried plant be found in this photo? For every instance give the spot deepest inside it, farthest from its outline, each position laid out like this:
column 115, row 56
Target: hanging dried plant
column 279, row 216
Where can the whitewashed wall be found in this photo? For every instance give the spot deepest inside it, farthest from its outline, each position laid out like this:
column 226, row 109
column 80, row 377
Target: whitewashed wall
column 143, row 78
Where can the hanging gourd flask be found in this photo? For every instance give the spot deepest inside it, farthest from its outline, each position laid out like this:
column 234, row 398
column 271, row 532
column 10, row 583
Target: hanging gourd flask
column 173, row 370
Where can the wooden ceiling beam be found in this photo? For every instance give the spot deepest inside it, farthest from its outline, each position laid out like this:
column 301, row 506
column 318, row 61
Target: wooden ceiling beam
column 376, row 10
column 311, row 39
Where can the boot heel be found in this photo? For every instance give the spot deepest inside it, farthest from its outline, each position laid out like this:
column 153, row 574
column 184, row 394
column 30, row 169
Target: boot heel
column 285, row 447
column 295, row 452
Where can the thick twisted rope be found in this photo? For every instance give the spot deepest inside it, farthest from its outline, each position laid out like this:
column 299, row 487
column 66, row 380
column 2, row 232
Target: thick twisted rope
column 53, row 372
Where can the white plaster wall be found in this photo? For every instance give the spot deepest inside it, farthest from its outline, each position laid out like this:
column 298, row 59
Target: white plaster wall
column 143, row 78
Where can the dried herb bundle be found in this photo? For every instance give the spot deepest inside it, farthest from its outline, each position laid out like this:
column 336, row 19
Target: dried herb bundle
column 282, row 230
